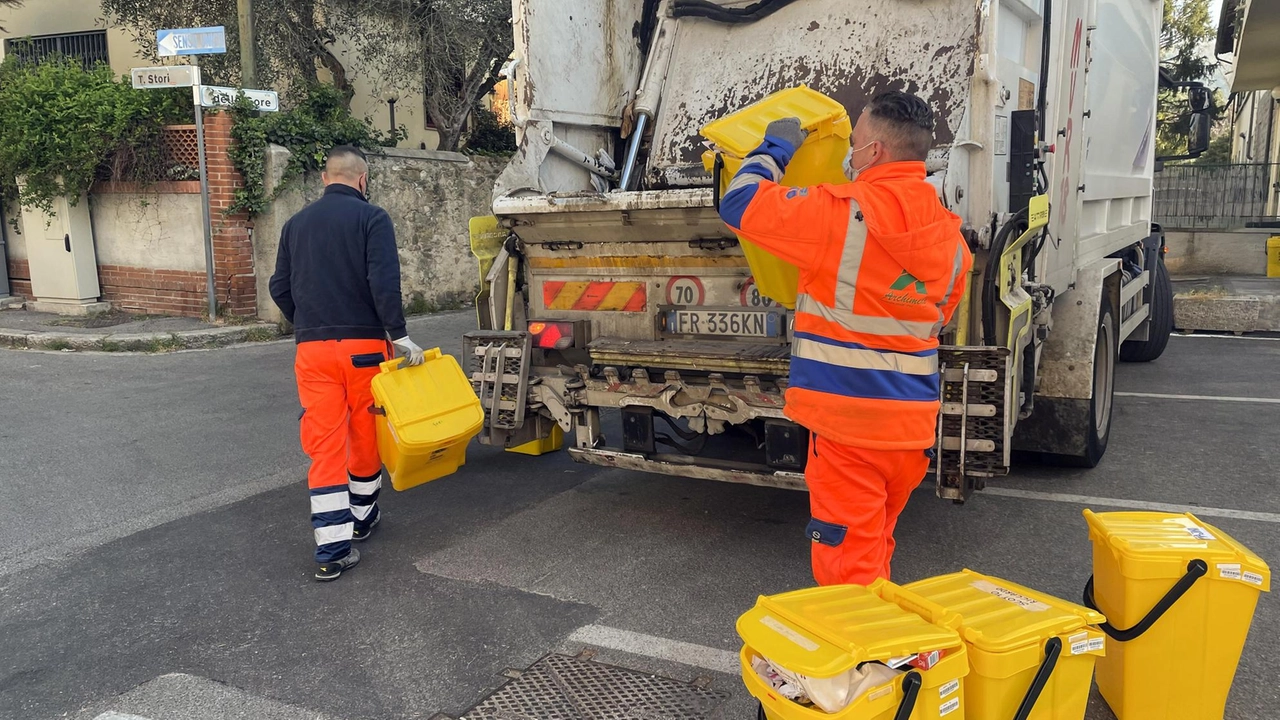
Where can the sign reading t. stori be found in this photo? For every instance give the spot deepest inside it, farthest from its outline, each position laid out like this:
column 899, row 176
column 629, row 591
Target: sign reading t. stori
column 192, row 41
column 151, row 78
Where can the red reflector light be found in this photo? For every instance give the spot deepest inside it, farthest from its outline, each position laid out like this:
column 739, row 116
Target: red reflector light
column 552, row 335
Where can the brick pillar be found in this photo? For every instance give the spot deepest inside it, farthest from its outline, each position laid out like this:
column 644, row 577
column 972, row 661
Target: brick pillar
column 232, row 241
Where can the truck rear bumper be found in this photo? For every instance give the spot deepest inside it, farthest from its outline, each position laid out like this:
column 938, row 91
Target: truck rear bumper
column 692, row 467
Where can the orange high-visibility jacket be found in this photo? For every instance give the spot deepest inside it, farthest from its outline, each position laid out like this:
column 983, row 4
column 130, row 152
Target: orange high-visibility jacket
column 883, row 266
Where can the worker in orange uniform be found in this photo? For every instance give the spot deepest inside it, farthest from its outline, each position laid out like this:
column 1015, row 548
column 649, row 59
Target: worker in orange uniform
column 883, row 266
column 337, row 280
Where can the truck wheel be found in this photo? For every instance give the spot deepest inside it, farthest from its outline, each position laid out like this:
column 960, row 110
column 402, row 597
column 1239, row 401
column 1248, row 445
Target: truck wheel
column 1105, row 354
column 1161, row 320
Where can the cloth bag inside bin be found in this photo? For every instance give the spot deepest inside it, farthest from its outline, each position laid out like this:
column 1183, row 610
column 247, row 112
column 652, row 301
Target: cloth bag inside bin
column 831, row 640
column 834, row 694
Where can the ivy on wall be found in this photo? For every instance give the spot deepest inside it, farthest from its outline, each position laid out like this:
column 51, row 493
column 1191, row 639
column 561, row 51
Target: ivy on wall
column 309, row 130
column 63, row 126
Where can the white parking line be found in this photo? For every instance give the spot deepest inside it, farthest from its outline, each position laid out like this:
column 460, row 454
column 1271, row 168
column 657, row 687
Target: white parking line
column 1206, row 398
column 1133, row 504
column 700, row 656
column 119, row 716
column 1198, row 336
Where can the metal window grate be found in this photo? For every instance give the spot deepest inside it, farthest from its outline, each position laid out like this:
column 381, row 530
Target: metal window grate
column 88, row 47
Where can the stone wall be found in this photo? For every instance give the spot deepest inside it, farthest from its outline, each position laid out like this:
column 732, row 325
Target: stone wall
column 430, row 196
column 1217, row 252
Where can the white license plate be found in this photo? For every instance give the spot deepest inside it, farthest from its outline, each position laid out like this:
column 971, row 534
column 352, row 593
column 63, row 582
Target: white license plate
column 726, row 323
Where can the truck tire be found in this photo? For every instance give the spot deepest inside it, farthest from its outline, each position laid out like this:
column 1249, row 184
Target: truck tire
column 1161, row 320
column 1071, row 432
column 1105, row 354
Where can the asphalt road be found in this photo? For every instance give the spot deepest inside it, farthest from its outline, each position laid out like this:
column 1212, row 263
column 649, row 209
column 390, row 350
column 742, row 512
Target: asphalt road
column 155, row 549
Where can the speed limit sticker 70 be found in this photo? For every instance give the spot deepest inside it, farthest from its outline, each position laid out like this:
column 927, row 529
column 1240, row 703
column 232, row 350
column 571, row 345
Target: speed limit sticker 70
column 751, row 296
column 685, row 290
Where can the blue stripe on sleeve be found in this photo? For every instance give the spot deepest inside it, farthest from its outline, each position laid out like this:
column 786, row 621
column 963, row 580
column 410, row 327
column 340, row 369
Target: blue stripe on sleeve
column 734, row 205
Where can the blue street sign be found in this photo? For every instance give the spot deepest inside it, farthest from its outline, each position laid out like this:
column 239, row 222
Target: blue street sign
column 192, row 41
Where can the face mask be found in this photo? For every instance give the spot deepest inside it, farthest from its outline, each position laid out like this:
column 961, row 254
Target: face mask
column 850, row 171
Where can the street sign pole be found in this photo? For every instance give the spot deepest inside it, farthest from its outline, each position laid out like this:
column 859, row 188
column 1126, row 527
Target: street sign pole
column 204, row 202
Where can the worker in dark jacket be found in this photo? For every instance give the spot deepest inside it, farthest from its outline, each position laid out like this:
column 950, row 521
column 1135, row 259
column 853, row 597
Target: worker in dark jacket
column 337, row 280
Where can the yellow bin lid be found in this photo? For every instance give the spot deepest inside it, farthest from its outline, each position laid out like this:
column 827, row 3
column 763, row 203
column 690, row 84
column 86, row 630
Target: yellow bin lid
column 998, row 616
column 741, row 132
column 429, row 405
column 824, row 631
column 1152, row 545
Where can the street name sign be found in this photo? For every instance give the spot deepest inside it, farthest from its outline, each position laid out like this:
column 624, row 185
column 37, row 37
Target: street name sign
column 152, row 78
column 216, row 96
column 192, row 41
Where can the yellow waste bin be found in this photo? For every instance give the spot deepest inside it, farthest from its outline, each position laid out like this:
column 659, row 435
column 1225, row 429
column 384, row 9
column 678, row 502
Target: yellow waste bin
column 1031, row 655
column 1273, row 256
column 819, row 160
column 428, row 414
column 553, row 442
column 838, row 641
column 1184, row 593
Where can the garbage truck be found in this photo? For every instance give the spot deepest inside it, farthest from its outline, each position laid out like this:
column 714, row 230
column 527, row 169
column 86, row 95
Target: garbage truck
column 620, row 317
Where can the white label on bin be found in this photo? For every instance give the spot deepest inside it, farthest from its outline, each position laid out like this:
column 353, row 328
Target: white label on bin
column 1026, row 603
column 1079, row 637
column 948, row 689
column 1229, row 571
column 773, row 624
column 1080, row 648
column 949, row 707
column 1252, row 577
column 1199, row 533
column 877, row 694
column 1097, row 644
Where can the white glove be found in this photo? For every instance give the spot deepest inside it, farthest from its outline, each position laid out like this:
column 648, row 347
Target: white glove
column 412, row 353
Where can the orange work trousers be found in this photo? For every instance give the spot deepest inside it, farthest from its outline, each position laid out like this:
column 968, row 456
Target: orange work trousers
column 855, row 497
column 334, row 379
column 338, row 434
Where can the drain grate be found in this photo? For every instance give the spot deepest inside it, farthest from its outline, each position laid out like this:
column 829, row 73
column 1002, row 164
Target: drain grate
column 559, row 687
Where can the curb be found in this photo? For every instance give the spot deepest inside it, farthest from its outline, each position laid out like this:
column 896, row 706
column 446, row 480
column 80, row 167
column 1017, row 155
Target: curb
column 140, row 342
column 1226, row 313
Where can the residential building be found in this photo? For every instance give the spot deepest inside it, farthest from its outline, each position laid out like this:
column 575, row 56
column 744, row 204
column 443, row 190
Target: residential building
column 76, row 28
column 1248, row 34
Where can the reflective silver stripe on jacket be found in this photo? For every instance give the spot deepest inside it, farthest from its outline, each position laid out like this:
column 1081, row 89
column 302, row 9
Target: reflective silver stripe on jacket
column 865, row 324
column 864, row 359
column 855, row 243
column 956, row 282
column 750, row 176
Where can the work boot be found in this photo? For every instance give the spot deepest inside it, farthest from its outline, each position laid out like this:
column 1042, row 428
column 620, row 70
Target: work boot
column 330, row 571
column 360, row 534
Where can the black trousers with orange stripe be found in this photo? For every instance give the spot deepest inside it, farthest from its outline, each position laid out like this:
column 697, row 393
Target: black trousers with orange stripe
column 338, row 435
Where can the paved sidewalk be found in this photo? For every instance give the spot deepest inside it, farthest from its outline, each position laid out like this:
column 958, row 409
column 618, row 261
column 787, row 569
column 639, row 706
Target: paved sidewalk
column 122, row 332
column 1235, row 304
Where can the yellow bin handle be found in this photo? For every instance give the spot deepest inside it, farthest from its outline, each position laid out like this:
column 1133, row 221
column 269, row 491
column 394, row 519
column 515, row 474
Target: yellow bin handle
column 1196, row 569
column 397, row 363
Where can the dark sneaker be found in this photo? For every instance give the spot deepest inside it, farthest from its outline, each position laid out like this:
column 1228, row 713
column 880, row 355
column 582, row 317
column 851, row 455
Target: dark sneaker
column 361, row 534
column 327, row 572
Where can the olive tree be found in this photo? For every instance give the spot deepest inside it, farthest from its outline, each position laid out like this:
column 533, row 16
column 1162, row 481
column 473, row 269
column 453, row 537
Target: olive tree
column 449, row 50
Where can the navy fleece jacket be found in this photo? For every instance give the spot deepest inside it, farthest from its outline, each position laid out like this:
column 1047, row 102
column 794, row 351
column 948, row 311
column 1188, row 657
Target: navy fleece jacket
column 337, row 270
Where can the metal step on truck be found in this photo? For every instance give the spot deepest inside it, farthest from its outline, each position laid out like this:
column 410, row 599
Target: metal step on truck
column 606, row 247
